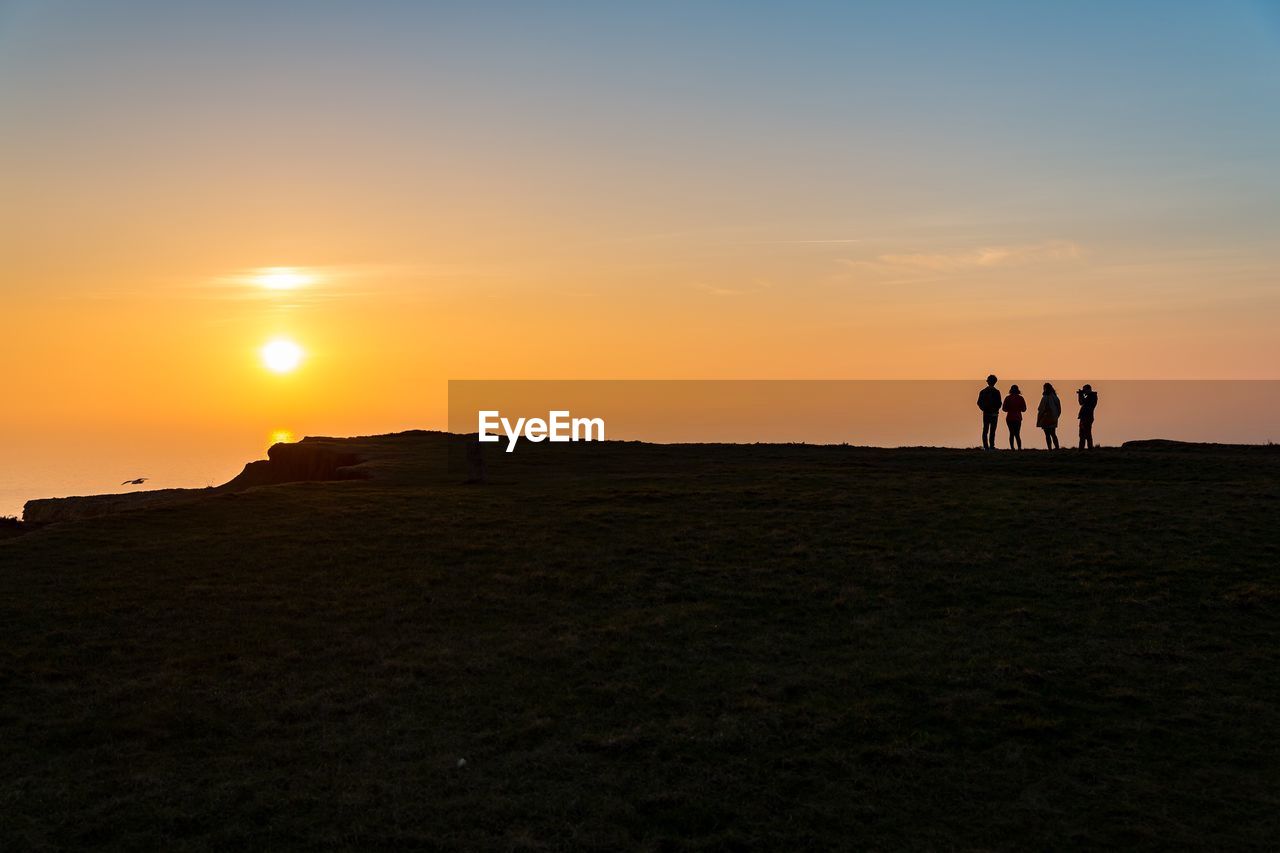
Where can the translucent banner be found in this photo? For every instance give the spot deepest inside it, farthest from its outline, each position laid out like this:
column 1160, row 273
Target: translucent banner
column 888, row 413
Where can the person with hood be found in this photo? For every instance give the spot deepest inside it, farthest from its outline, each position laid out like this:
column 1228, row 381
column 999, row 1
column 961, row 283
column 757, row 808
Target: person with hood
column 1088, row 399
column 989, row 403
column 1047, row 415
column 1013, row 407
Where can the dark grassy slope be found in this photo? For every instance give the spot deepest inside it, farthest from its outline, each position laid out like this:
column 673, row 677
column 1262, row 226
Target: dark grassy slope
column 645, row 646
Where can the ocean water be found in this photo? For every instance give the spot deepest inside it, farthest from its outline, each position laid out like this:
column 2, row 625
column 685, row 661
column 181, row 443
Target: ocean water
column 45, row 464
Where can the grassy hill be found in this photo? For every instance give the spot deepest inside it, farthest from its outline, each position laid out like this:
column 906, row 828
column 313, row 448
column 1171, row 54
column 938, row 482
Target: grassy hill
column 624, row 645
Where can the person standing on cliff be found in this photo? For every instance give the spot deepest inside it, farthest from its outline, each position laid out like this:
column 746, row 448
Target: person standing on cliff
column 1013, row 408
column 1047, row 415
column 1088, row 399
column 989, row 401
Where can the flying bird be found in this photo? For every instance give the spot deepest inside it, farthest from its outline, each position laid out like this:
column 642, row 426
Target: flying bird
column 138, row 482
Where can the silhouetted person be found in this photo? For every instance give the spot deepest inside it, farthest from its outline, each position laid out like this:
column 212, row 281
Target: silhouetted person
column 1047, row 415
column 989, row 401
column 1013, row 408
column 1088, row 402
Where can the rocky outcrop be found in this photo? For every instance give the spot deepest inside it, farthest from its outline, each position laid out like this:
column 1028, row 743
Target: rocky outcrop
column 297, row 463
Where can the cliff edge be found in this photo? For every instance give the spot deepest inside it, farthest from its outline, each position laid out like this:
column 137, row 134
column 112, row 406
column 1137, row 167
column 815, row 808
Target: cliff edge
column 311, row 460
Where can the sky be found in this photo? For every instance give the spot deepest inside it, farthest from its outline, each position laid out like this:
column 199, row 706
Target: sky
column 414, row 192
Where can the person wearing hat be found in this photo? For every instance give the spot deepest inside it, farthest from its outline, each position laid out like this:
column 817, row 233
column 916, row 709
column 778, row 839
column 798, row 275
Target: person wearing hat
column 1013, row 407
column 1088, row 399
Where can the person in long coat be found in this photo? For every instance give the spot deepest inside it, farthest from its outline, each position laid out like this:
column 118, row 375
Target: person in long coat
column 1047, row 415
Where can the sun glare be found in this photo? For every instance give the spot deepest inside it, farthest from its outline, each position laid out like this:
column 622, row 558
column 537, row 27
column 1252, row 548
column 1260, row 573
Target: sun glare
column 281, row 278
column 281, row 436
column 281, row 355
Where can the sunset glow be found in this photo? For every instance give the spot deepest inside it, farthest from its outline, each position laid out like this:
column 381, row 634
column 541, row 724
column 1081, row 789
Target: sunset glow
column 814, row 196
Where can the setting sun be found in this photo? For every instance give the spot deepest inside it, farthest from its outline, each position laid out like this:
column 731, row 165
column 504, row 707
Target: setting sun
column 281, row 355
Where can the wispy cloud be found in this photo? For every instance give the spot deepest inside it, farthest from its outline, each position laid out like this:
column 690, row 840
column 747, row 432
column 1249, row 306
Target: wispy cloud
column 716, row 290
column 812, row 242
column 985, row 257
column 292, row 286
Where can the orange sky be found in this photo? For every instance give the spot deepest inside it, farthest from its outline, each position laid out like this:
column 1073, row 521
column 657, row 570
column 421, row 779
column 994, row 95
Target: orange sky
column 570, row 209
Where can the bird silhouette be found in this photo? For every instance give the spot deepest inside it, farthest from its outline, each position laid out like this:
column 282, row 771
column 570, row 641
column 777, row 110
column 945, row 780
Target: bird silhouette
column 136, row 482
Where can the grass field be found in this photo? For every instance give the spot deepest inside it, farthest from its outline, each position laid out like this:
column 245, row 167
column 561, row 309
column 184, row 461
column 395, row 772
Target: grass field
column 659, row 647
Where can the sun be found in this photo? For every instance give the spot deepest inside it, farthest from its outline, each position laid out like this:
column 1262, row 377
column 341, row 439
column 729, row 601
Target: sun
column 281, row 278
column 281, row 355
